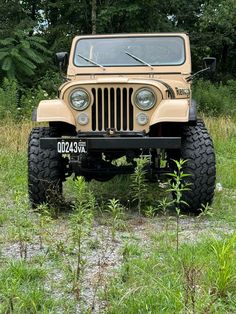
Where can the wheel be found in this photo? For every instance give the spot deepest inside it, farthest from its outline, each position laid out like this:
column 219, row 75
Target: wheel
column 45, row 169
column 198, row 151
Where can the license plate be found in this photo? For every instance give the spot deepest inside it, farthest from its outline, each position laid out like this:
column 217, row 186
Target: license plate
column 72, row 147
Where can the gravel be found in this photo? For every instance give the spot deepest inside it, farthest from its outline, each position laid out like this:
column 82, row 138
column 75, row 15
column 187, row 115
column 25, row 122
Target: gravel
column 104, row 254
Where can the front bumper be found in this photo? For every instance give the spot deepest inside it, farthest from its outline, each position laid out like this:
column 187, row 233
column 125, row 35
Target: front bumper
column 114, row 143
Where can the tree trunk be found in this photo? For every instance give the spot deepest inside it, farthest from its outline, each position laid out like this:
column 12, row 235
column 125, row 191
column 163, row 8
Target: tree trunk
column 94, row 16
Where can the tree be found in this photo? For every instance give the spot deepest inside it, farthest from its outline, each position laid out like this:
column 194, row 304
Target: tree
column 94, row 16
column 20, row 55
column 12, row 15
column 218, row 24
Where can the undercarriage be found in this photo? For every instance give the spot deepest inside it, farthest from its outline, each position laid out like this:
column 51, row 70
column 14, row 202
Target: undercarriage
column 102, row 166
column 100, row 155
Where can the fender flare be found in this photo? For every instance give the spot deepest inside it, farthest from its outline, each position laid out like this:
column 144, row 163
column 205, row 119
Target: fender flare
column 53, row 111
column 171, row 110
column 193, row 110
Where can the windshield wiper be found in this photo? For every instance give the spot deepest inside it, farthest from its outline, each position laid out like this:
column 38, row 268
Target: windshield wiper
column 138, row 59
column 91, row 61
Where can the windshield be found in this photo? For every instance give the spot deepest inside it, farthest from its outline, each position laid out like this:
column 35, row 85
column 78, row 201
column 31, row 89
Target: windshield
column 129, row 51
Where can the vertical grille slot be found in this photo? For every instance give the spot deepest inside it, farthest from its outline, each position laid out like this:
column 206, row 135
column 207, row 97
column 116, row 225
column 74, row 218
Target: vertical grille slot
column 118, row 109
column 94, row 116
column 106, row 114
column 131, row 111
column 124, row 113
column 100, row 109
column 112, row 108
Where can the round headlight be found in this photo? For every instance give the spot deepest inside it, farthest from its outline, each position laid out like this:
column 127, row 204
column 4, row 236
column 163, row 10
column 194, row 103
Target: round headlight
column 145, row 99
column 79, row 99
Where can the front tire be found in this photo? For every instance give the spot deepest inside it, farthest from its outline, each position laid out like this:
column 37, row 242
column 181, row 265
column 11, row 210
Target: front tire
column 198, row 151
column 45, row 169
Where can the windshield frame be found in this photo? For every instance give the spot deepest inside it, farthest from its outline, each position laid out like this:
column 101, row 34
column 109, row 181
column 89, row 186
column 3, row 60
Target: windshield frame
column 171, row 35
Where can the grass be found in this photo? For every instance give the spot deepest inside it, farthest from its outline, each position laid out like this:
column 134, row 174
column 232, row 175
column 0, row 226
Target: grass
column 192, row 281
column 21, row 289
column 39, row 259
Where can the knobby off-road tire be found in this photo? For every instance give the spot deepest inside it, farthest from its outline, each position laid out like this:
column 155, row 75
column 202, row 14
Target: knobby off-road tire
column 197, row 148
column 45, row 169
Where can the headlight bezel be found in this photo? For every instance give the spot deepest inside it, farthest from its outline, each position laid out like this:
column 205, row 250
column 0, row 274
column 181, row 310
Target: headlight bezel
column 88, row 96
column 137, row 103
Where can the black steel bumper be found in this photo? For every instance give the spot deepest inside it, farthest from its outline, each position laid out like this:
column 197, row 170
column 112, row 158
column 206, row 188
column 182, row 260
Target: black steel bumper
column 114, row 143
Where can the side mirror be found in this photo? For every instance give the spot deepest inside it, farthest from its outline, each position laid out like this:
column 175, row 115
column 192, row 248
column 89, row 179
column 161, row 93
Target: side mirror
column 62, row 59
column 210, row 63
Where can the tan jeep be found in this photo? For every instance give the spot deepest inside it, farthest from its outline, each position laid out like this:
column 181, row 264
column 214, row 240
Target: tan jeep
column 124, row 95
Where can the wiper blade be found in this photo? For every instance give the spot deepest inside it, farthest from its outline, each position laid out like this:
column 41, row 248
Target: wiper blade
column 91, row 61
column 138, row 59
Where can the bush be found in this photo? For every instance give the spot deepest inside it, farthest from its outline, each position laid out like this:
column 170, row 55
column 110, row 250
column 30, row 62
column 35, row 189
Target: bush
column 215, row 99
column 9, row 98
column 18, row 102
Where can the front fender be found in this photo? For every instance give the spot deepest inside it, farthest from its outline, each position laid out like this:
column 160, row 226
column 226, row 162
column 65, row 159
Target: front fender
column 54, row 110
column 171, row 110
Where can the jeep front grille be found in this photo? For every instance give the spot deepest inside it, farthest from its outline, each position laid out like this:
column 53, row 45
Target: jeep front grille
column 112, row 108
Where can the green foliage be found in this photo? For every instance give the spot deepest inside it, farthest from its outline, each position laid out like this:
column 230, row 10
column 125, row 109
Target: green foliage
column 218, row 18
column 117, row 212
column 215, row 99
column 177, row 187
column 115, row 208
column 177, row 184
column 9, row 99
column 167, row 282
column 17, row 103
column 13, row 16
column 81, row 221
column 211, row 25
column 22, row 226
column 205, row 211
column 139, row 182
column 150, row 211
column 50, row 82
column 152, row 277
column 224, row 272
column 22, row 290
column 20, row 55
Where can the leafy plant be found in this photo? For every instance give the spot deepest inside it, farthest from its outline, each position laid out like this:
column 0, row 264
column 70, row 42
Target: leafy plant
column 80, row 225
column 20, row 54
column 117, row 212
column 139, row 185
column 205, row 211
column 178, row 186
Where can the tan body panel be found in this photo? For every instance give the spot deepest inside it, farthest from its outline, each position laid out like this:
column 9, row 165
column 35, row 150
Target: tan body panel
column 166, row 110
column 173, row 110
column 54, row 110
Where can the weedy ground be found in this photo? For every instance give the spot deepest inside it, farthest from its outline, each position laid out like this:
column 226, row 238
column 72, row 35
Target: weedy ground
column 105, row 253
